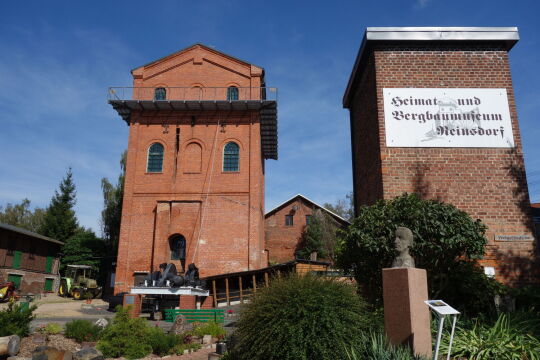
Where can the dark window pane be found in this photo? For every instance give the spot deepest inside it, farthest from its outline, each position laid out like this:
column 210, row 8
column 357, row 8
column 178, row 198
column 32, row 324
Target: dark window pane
column 160, row 94
column 232, row 93
column 230, row 157
column 155, row 158
column 289, row 220
column 178, row 247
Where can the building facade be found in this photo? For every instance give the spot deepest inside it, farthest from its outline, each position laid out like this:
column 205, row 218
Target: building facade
column 285, row 224
column 432, row 111
column 29, row 260
column 201, row 124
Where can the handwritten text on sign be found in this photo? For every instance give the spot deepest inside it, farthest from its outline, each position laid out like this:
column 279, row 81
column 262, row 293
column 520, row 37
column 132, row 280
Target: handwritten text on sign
column 478, row 118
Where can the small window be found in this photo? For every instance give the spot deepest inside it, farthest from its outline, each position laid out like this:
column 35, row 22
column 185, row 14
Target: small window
column 289, row 220
column 308, row 219
column 177, row 245
column 155, row 158
column 160, row 94
column 230, row 157
column 232, row 93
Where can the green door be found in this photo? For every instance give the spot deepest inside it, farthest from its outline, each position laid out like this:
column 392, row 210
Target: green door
column 49, row 285
column 48, row 264
column 16, row 279
column 17, row 255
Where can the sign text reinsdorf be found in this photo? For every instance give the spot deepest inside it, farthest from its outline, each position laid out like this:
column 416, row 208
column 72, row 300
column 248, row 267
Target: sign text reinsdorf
column 478, row 118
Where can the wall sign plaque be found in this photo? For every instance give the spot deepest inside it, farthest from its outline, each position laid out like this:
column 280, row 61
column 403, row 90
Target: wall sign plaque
column 503, row 237
column 423, row 117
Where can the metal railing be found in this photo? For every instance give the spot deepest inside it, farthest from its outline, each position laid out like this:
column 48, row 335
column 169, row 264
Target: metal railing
column 193, row 93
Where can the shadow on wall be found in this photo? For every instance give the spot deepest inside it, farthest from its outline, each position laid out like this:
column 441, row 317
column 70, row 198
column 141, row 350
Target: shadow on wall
column 518, row 267
column 516, row 170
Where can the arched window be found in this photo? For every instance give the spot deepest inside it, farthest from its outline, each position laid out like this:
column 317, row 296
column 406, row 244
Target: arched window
column 160, row 93
column 230, row 157
column 155, row 158
column 232, row 93
column 177, row 244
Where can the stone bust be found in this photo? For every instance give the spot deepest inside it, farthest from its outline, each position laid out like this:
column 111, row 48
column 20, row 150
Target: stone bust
column 403, row 241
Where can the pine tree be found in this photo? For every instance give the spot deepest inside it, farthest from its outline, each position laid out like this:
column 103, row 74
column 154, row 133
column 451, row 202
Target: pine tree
column 83, row 248
column 312, row 238
column 60, row 222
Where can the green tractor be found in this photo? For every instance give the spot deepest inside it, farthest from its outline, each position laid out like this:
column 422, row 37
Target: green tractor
column 79, row 283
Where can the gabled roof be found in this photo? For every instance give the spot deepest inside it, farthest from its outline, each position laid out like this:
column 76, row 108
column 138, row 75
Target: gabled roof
column 194, row 46
column 28, row 233
column 313, row 203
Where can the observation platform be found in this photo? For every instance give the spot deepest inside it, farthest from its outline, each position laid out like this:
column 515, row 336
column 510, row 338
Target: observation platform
column 126, row 100
column 165, row 290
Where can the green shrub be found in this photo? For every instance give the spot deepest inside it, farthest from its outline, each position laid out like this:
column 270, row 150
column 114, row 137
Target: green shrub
column 53, row 328
column 300, row 318
column 447, row 241
column 162, row 344
column 527, row 298
column 180, row 348
column 125, row 337
column 508, row 338
column 82, row 330
column 208, row 328
column 15, row 320
column 375, row 346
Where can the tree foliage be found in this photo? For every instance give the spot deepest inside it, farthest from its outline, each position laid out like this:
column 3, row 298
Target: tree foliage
column 446, row 240
column 343, row 207
column 319, row 236
column 83, row 248
column 112, row 207
column 59, row 221
column 21, row 216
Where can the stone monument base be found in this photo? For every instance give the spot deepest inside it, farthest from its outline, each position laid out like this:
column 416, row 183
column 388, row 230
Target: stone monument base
column 406, row 316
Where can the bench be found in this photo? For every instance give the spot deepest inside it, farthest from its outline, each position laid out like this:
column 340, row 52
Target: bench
column 196, row 315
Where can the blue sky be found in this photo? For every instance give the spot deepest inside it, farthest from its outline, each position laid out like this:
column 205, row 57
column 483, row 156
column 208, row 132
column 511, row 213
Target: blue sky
column 57, row 59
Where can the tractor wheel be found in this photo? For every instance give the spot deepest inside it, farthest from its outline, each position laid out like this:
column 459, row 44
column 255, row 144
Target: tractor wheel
column 77, row 294
column 62, row 290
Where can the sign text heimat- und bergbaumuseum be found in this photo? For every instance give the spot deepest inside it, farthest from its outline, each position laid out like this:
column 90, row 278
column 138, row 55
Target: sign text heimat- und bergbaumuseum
column 444, row 117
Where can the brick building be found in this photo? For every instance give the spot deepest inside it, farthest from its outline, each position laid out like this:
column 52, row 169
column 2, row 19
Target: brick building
column 285, row 224
column 422, row 103
column 201, row 124
column 28, row 259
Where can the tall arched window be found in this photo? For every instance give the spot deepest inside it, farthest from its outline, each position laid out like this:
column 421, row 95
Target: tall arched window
column 155, row 158
column 232, row 93
column 160, row 93
column 231, row 156
column 177, row 244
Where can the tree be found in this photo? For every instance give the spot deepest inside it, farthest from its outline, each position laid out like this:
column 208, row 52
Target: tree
column 20, row 215
column 83, row 248
column 319, row 236
column 343, row 207
column 112, row 208
column 59, row 221
column 446, row 243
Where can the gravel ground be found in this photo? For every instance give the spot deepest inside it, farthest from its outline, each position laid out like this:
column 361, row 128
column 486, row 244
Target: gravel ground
column 57, row 341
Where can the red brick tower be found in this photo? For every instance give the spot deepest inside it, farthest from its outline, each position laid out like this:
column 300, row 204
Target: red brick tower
column 432, row 111
column 201, row 125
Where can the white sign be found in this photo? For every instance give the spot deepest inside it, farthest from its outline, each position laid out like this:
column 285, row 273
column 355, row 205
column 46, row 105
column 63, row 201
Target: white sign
column 476, row 118
column 441, row 308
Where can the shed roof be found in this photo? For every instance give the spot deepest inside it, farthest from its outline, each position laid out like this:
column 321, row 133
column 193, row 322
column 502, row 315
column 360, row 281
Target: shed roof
column 313, row 203
column 28, row 233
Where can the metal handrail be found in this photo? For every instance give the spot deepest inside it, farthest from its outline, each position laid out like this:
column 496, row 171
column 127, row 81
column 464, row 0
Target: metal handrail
column 193, row 93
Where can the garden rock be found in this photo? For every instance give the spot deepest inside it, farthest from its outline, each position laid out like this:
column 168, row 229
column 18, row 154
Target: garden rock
column 179, row 325
column 50, row 353
column 88, row 354
column 207, row 339
column 102, row 322
column 18, row 358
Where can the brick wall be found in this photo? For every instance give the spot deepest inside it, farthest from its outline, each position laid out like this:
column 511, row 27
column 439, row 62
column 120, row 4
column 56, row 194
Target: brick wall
column 219, row 213
column 487, row 183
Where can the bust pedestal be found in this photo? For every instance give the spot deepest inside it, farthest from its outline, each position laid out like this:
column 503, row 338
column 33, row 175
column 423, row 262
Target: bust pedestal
column 406, row 316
